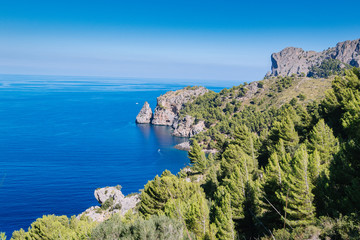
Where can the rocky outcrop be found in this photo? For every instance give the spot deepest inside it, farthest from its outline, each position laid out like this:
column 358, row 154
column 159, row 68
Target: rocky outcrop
column 169, row 105
column 112, row 201
column 185, row 146
column 293, row 60
column 251, row 90
column 167, row 112
column 187, row 126
column 347, row 52
column 145, row 114
column 104, row 194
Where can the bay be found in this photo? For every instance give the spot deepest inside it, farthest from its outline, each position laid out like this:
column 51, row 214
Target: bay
column 62, row 137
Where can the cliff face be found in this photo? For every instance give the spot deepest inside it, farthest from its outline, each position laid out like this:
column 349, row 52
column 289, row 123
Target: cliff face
column 167, row 112
column 296, row 61
column 187, row 127
column 170, row 104
column 168, row 109
column 348, row 52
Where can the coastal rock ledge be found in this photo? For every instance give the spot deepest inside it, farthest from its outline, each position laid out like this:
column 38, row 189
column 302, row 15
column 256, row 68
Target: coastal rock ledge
column 112, row 201
column 145, row 114
column 184, row 146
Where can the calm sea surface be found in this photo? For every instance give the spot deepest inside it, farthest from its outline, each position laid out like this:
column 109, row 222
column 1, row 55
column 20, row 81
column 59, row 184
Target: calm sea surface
column 63, row 137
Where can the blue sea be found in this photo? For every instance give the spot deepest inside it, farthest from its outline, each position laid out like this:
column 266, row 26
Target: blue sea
column 62, row 137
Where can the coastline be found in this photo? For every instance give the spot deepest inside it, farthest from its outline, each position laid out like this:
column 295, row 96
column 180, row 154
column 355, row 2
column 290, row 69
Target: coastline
column 75, row 149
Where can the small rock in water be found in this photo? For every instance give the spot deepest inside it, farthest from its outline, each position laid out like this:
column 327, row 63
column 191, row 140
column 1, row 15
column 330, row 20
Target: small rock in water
column 145, row 114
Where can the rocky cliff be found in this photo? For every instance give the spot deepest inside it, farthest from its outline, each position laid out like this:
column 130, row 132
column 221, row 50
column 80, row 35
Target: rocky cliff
column 293, row 60
column 145, row 114
column 168, row 109
column 169, row 105
column 112, row 201
column 187, row 126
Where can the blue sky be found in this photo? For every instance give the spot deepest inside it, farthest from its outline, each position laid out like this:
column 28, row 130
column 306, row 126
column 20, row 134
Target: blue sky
column 223, row 40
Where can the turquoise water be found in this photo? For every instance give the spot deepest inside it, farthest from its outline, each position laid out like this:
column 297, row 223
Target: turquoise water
column 63, row 137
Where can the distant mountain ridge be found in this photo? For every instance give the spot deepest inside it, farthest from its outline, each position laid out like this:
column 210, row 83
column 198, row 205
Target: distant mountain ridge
column 293, row 60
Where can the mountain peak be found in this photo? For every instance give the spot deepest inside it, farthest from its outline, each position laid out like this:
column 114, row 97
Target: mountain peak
column 292, row 60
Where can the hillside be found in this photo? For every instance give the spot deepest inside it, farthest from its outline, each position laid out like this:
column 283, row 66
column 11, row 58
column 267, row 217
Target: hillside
column 284, row 165
column 221, row 112
column 292, row 152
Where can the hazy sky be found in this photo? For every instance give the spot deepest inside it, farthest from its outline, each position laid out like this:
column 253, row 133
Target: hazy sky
column 195, row 39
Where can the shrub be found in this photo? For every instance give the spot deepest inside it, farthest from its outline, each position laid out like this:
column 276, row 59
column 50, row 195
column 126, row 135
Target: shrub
column 281, row 234
column 57, row 227
column 157, row 227
column 344, row 227
column 2, row 236
column 327, row 68
column 302, row 97
column 108, row 203
column 293, row 101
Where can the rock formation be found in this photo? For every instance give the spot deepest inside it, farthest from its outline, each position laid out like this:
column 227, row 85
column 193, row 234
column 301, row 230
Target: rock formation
column 347, row 52
column 187, row 126
column 145, row 114
column 167, row 111
column 169, row 105
column 112, row 201
column 293, row 60
column 185, row 146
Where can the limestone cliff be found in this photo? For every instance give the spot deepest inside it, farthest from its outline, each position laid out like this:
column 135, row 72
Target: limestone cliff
column 169, row 105
column 187, row 127
column 293, row 60
column 168, row 109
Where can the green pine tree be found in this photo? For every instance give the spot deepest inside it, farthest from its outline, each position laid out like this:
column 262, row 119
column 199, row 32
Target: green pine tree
column 341, row 110
column 193, row 212
column 323, row 140
column 274, row 170
column 175, row 197
column 319, row 174
column 211, row 181
column 235, row 186
column 276, row 173
column 251, row 206
column 201, row 163
column 315, row 167
column 285, row 130
column 210, row 159
column 298, row 197
column 247, row 141
column 234, row 155
column 195, row 152
column 223, row 216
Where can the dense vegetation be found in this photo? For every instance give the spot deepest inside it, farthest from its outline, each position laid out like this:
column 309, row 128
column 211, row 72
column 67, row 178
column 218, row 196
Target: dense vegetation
column 57, row 227
column 327, row 68
column 156, row 227
column 287, row 171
